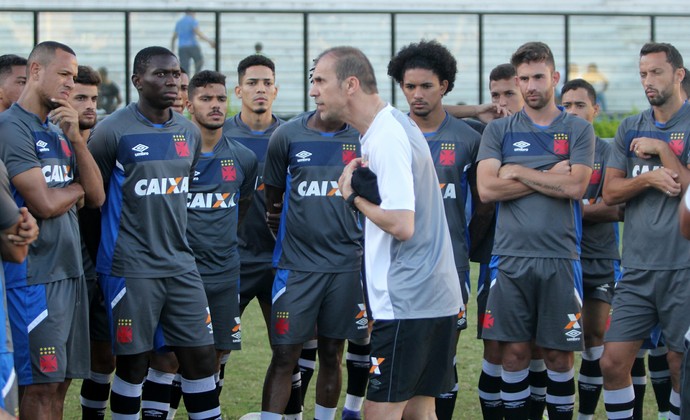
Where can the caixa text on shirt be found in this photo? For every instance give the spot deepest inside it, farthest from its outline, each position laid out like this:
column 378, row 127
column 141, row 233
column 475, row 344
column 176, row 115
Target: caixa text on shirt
column 640, row 169
column 162, row 186
column 57, row 173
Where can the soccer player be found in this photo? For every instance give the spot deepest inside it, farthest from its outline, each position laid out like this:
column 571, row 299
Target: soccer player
column 648, row 172
column 426, row 73
column 183, row 95
column 95, row 389
column 412, row 282
column 505, row 93
column 599, row 256
column 12, row 79
column 48, row 317
column 536, row 164
column 147, row 154
column 18, row 230
column 317, row 285
column 252, row 128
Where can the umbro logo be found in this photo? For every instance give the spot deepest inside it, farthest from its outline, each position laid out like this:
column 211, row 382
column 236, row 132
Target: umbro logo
column 141, row 150
column 42, row 146
column 573, row 333
column 521, row 146
column 303, row 156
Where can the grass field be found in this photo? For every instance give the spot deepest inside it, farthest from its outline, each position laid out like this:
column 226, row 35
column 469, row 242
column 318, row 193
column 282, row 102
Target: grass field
column 245, row 372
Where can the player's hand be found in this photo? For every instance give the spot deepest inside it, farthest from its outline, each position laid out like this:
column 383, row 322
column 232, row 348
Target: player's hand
column 67, row 118
column 345, row 180
column 562, row 167
column 28, row 229
column 489, row 112
column 273, row 222
column 645, row 147
column 665, row 180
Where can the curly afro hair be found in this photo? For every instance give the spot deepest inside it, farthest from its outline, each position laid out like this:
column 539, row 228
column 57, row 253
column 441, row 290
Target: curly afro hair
column 429, row 55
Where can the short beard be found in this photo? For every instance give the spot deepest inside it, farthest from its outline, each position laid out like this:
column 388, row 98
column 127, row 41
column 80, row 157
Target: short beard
column 83, row 125
column 211, row 126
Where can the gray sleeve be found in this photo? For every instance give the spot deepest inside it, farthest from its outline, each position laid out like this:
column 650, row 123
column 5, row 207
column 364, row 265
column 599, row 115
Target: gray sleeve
column 8, row 208
column 582, row 152
column 277, row 159
column 17, row 150
column 491, row 143
column 103, row 147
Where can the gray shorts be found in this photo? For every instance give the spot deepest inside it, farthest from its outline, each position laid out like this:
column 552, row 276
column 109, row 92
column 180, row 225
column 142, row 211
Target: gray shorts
column 256, row 281
column 464, row 276
column 486, row 274
column 99, row 328
column 224, row 304
column 303, row 302
column 643, row 299
column 536, row 299
column 137, row 306
column 599, row 277
column 50, row 331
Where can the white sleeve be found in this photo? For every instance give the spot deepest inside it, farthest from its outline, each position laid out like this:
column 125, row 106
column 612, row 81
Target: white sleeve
column 390, row 158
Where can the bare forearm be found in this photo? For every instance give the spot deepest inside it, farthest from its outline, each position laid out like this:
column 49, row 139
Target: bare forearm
column 552, row 184
column 497, row 189
column 601, row 213
column 398, row 223
column 89, row 177
column 622, row 190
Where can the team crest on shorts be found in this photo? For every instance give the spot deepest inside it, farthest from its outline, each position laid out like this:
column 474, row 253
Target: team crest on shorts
column 375, row 363
column 237, row 331
column 487, row 320
column 573, row 328
column 181, row 145
column 48, row 360
column 282, row 325
column 124, row 331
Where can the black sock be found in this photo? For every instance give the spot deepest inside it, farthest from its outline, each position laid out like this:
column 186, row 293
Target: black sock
column 175, row 395
column 515, row 394
column 490, row 391
column 537, row 388
column 307, row 363
column 560, row 398
column 590, row 381
column 660, row 377
column 639, row 380
column 201, row 398
column 294, row 404
column 125, row 398
column 155, row 398
column 94, row 396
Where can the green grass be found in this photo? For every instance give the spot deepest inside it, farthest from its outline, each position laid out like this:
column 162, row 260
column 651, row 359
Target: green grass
column 245, row 372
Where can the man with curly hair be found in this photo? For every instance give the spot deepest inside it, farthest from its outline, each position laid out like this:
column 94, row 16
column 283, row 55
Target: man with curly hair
column 426, row 72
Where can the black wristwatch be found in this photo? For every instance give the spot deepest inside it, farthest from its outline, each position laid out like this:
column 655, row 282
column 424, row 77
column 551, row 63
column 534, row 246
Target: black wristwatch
column 351, row 201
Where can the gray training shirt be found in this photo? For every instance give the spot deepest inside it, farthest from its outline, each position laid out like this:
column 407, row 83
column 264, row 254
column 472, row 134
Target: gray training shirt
column 537, row 225
column 651, row 239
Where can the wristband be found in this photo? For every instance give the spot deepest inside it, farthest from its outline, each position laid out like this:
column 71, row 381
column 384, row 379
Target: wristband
column 351, row 201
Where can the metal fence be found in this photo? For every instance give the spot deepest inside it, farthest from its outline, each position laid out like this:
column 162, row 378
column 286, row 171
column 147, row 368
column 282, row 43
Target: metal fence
column 479, row 41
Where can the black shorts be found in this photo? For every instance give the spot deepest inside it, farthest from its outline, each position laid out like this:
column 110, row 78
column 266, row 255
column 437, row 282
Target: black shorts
column 411, row 357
